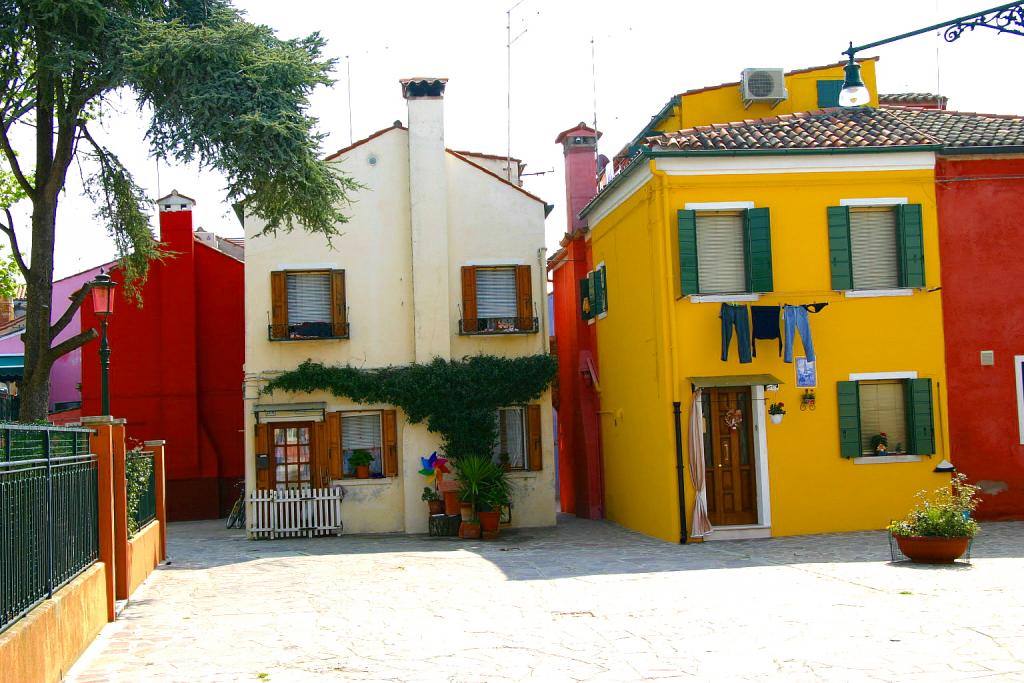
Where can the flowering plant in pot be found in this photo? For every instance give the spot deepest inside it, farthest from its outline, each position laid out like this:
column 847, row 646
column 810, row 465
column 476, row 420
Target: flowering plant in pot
column 880, row 443
column 776, row 411
column 433, row 500
column 360, row 462
column 939, row 529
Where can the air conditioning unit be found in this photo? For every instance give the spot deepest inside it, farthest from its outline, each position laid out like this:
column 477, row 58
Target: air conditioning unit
column 763, row 85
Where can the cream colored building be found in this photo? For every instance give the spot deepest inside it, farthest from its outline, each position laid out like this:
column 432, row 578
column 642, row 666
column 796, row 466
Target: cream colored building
column 434, row 234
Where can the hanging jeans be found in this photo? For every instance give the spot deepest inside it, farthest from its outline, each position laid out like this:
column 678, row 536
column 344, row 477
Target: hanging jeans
column 796, row 320
column 735, row 316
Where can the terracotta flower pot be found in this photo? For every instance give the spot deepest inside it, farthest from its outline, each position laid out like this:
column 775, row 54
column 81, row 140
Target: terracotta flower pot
column 451, row 502
column 932, row 549
column 362, row 471
column 466, row 510
column 436, row 507
column 489, row 520
column 469, row 530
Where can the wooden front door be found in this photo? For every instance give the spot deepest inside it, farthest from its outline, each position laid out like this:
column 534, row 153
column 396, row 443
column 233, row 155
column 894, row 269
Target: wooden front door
column 729, row 456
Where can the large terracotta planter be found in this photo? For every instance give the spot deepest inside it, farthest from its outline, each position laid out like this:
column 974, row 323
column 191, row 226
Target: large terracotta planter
column 489, row 521
column 932, row 549
column 450, row 491
column 469, row 530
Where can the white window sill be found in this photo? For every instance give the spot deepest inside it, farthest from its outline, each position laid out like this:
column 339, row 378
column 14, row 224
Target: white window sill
column 383, row 481
column 722, row 298
column 870, row 293
column 882, row 459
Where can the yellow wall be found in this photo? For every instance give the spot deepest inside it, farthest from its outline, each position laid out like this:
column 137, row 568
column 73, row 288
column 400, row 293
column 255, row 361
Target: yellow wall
column 143, row 555
column 42, row 646
column 722, row 105
column 651, row 341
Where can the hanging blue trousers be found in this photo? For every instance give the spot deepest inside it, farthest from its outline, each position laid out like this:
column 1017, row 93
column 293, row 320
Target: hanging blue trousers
column 795, row 318
column 735, row 317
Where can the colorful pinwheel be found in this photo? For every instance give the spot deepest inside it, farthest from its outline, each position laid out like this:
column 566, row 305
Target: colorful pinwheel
column 434, row 467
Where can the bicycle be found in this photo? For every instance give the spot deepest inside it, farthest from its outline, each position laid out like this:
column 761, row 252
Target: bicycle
column 236, row 518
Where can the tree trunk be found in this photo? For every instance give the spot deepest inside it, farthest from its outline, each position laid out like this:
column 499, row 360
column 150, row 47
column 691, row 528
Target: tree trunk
column 34, row 391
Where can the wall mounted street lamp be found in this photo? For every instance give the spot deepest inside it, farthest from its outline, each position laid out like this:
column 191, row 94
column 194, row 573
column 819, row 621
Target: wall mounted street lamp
column 1007, row 18
column 102, row 290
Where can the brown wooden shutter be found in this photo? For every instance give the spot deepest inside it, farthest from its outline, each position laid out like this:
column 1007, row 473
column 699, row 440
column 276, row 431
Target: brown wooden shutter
column 263, row 476
column 339, row 313
column 335, row 467
column 389, row 441
column 524, row 298
column 533, row 438
column 318, row 462
column 469, row 320
column 278, row 305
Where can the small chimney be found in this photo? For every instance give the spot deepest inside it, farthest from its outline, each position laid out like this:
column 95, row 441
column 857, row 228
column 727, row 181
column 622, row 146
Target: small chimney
column 176, row 221
column 428, row 204
column 579, row 144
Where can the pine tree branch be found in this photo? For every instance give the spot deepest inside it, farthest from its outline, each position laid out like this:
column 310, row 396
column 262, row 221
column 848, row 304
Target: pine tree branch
column 76, row 302
column 72, row 343
column 13, row 238
column 12, row 161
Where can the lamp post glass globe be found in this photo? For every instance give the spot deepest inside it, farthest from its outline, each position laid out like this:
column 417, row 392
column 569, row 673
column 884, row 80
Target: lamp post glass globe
column 854, row 92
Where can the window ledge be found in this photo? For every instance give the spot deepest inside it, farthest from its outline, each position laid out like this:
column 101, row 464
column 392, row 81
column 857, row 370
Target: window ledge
column 383, row 481
column 869, row 293
column 522, row 474
column 882, row 459
column 722, row 298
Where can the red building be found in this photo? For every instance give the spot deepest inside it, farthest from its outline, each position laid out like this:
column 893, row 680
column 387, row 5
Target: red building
column 980, row 184
column 176, row 363
column 579, row 447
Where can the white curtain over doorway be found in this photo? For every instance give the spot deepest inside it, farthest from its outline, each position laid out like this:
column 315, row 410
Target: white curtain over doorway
column 701, row 524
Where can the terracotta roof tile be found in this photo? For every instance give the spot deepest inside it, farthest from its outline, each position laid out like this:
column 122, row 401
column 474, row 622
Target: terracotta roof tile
column 964, row 129
column 911, row 98
column 833, row 128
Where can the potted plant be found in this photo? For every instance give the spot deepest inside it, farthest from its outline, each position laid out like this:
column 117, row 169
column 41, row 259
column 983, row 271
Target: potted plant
column 880, row 443
column 473, row 471
column 939, row 529
column 776, row 411
column 433, row 500
column 496, row 493
column 470, row 529
column 360, row 462
column 807, row 401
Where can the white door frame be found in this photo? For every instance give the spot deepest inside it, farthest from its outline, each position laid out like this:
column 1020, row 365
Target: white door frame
column 764, row 503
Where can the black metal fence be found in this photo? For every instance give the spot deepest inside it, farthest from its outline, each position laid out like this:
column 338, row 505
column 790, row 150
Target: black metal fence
column 9, row 408
column 141, row 480
column 49, row 529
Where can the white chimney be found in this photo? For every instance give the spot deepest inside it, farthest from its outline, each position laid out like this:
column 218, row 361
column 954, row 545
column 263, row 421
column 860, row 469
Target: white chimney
column 428, row 201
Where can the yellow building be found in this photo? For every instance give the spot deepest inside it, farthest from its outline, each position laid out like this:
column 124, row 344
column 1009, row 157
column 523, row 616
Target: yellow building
column 833, row 207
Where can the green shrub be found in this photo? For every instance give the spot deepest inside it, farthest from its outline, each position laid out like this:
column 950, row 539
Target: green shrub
column 944, row 512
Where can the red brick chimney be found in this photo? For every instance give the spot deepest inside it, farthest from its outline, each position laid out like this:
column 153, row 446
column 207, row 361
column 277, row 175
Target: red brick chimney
column 579, row 144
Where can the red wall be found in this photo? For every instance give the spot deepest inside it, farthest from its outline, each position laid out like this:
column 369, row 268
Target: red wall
column 981, row 231
column 176, row 368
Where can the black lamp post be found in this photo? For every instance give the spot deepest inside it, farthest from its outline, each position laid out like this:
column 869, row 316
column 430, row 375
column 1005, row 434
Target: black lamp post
column 103, row 306
column 1007, row 18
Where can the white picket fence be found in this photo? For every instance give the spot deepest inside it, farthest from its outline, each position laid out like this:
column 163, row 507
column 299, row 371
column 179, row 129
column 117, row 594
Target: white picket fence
column 296, row 512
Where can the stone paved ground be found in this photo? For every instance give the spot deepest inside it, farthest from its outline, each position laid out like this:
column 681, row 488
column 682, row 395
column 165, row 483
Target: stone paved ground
column 584, row 601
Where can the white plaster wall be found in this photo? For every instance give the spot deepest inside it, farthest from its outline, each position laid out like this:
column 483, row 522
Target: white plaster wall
column 487, row 222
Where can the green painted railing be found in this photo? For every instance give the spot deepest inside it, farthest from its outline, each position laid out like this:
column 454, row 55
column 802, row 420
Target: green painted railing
column 49, row 530
column 141, row 479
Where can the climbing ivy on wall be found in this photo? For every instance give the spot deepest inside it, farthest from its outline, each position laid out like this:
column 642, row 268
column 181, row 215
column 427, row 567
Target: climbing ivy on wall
column 456, row 398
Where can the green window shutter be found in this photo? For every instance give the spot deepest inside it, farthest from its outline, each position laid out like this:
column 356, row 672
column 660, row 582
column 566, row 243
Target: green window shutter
column 839, row 247
column 920, row 421
column 600, row 303
column 586, row 306
column 688, row 281
column 849, row 419
column 910, row 244
column 602, row 298
column 757, row 247
column 828, row 93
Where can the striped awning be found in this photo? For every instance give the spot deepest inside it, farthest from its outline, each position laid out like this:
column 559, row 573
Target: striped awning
column 12, row 367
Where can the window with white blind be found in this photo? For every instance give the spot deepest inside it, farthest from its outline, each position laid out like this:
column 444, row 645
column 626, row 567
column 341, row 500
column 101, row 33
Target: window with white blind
column 883, row 411
column 308, row 305
column 873, row 247
column 361, row 431
column 720, row 262
column 510, row 446
column 496, row 293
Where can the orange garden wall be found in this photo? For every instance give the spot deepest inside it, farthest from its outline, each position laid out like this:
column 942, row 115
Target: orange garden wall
column 43, row 645
column 143, row 554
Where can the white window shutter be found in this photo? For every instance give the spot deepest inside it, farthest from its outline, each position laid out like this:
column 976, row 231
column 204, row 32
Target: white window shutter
column 720, row 263
column 873, row 248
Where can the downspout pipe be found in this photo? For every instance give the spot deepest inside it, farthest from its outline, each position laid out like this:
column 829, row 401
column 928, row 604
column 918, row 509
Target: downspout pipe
column 679, row 471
